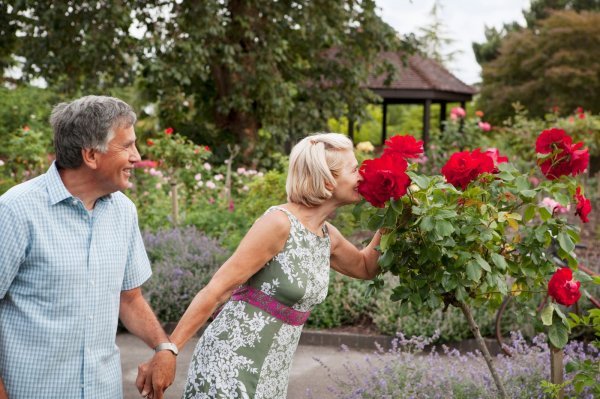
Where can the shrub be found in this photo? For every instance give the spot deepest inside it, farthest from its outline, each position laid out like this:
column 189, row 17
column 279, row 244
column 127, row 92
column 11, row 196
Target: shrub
column 183, row 261
column 406, row 371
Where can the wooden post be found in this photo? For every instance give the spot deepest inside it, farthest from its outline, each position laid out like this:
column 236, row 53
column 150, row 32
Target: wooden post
column 174, row 204
column 556, row 368
column 426, row 123
column 384, row 123
column 442, row 115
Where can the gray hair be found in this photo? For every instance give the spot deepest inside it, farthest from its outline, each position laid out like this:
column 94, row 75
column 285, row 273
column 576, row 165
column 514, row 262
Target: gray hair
column 87, row 123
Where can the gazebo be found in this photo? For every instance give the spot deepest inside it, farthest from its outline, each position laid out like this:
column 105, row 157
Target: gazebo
column 419, row 80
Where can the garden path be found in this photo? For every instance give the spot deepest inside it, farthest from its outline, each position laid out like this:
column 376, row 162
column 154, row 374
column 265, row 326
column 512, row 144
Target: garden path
column 306, row 372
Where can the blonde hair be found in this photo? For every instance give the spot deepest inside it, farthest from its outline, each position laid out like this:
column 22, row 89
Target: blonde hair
column 315, row 161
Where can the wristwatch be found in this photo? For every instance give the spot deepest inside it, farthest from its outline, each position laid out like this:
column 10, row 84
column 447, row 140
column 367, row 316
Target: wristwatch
column 167, row 346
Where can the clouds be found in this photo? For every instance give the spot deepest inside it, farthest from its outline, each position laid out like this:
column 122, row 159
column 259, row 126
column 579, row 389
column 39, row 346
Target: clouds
column 464, row 22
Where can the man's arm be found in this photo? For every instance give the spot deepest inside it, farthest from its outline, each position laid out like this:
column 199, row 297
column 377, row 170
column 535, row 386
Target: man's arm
column 138, row 318
column 3, row 394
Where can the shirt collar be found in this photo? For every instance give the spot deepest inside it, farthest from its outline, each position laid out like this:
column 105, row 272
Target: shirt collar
column 57, row 191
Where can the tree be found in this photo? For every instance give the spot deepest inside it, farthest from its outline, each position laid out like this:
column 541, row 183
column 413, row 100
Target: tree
column 433, row 39
column 489, row 50
column 539, row 10
column 558, row 64
column 73, row 45
column 233, row 67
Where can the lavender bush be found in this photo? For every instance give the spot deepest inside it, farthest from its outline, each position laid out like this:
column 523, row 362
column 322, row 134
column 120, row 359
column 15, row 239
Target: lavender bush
column 407, row 371
column 183, row 261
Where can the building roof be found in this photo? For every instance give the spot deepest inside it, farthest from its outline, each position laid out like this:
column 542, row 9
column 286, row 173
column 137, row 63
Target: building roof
column 419, row 79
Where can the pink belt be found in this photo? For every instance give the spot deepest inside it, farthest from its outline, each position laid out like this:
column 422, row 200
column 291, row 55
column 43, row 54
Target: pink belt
column 256, row 297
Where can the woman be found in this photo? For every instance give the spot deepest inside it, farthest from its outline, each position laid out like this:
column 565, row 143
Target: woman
column 282, row 265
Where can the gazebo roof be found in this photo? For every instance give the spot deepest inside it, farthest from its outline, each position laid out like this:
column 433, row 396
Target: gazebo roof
column 420, row 79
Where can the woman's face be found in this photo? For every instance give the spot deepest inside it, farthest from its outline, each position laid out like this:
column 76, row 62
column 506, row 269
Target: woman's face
column 346, row 190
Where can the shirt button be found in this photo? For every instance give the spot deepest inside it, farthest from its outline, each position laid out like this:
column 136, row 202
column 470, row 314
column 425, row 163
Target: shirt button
column 74, row 202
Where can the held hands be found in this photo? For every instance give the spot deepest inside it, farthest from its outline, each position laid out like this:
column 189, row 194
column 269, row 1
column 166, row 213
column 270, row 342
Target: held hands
column 155, row 376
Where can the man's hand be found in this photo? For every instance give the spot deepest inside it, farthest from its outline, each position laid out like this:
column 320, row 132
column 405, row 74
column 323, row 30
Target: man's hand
column 155, row 376
column 3, row 394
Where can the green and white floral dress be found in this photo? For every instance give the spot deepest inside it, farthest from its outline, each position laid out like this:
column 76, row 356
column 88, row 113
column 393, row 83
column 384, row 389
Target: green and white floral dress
column 246, row 352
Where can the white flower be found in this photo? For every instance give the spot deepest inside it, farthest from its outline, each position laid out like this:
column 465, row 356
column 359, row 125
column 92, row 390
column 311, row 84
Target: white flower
column 245, row 188
column 241, row 171
column 198, row 177
column 158, row 186
column 218, row 177
column 207, row 166
column 251, row 172
column 200, row 183
column 211, row 185
column 1, row 162
column 365, row 146
column 260, row 174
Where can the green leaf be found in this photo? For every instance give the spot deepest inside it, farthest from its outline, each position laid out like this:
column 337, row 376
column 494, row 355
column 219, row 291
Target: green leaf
column 483, row 263
column 443, row 227
column 473, row 271
column 461, row 293
column 582, row 276
column 386, row 260
column 529, row 213
column 419, row 180
column 397, row 205
column 558, row 335
column 499, row 261
column 545, row 214
column 565, row 242
column 389, row 220
column 547, row 314
column 427, row 223
column 375, row 221
column 562, row 198
column 387, row 240
column 528, row 193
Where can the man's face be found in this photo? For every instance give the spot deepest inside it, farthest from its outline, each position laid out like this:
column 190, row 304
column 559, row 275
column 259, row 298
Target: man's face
column 114, row 168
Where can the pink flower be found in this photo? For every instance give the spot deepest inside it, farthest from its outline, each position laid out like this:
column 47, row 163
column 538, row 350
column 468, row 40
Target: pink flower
column 458, row 112
column 145, row 164
column 486, row 127
column 198, row 177
column 554, row 206
column 211, row 185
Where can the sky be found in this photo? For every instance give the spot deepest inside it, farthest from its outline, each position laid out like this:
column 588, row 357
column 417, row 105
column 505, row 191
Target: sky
column 464, row 21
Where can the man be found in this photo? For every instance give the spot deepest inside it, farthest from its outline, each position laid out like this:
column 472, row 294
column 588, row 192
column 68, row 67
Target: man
column 72, row 262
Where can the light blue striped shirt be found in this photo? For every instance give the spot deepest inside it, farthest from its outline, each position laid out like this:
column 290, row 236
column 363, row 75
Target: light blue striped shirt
column 62, row 269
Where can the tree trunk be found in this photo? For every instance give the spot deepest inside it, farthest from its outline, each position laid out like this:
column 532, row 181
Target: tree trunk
column 484, row 350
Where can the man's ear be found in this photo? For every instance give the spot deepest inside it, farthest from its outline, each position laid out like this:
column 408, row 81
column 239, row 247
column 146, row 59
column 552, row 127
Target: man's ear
column 90, row 157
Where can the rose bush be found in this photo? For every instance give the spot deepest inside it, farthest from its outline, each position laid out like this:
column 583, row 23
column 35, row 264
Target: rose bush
column 477, row 233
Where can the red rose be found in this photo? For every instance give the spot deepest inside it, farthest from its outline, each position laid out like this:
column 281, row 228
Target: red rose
column 149, row 143
column 464, row 167
column 169, row 131
column 564, row 158
column 384, row 178
column 584, row 206
column 563, row 288
column 406, row 147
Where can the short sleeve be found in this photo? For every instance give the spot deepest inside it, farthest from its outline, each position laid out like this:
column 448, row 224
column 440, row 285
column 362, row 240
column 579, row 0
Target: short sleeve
column 137, row 270
column 13, row 247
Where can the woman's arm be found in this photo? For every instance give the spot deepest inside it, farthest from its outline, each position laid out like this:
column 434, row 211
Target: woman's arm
column 348, row 260
column 263, row 241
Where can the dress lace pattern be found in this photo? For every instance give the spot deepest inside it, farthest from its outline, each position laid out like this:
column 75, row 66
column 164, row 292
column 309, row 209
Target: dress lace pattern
column 246, row 352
